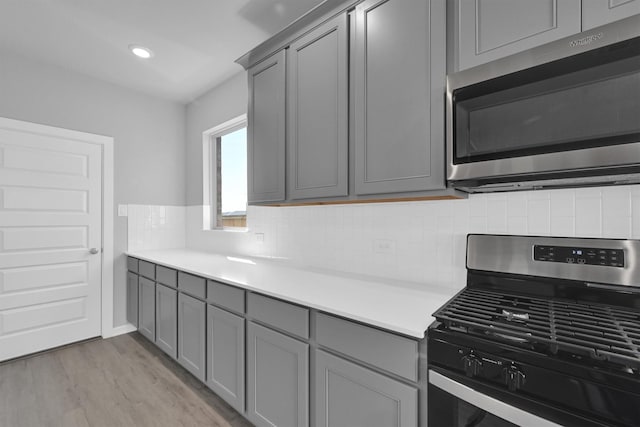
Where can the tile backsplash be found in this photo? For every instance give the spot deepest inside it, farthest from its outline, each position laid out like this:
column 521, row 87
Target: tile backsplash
column 419, row 241
column 156, row 227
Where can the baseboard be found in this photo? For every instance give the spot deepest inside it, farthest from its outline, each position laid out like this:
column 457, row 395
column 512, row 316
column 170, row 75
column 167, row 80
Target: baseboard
column 119, row 330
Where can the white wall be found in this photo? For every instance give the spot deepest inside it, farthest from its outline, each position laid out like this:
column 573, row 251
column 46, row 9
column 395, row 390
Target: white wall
column 149, row 136
column 225, row 102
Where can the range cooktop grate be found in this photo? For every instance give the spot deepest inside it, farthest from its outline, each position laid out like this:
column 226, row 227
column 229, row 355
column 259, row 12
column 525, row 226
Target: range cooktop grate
column 581, row 328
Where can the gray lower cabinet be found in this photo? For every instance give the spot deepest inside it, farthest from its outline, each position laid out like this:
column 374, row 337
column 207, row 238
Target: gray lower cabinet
column 317, row 116
column 399, row 96
column 257, row 358
column 132, row 298
column 147, row 308
column 277, row 379
column 226, row 356
column 167, row 320
column 191, row 335
column 486, row 30
column 266, row 130
column 349, row 395
column 600, row 12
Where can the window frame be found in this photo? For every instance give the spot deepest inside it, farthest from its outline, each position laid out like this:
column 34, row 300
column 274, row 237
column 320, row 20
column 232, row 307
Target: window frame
column 211, row 138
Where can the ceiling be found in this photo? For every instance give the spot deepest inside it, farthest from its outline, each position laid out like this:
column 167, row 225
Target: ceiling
column 195, row 42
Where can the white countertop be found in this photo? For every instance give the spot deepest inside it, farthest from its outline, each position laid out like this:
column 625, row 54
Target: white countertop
column 379, row 302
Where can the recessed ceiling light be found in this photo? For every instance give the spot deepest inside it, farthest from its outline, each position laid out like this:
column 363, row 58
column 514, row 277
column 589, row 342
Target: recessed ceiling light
column 141, row 51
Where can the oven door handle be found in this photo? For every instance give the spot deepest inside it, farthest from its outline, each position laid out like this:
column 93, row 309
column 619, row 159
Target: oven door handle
column 493, row 406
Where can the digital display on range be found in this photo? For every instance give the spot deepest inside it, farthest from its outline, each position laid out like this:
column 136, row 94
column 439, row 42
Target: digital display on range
column 579, row 255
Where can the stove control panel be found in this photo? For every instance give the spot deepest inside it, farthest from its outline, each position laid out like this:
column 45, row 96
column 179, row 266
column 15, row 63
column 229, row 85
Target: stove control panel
column 575, row 255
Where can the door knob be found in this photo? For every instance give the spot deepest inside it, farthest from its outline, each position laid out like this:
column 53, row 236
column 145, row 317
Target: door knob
column 93, row 251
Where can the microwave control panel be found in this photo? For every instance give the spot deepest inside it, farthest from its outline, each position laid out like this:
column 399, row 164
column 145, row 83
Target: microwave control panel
column 575, row 255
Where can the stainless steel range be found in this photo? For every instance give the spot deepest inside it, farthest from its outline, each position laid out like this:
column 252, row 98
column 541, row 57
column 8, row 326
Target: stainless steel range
column 546, row 333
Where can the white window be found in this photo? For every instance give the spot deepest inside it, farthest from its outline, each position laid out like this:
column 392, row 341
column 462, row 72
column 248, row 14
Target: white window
column 225, row 177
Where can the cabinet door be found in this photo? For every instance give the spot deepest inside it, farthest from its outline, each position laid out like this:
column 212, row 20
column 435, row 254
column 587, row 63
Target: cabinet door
column 492, row 29
column 191, row 334
column 349, row 395
column 600, row 12
column 266, row 130
column 147, row 308
column 225, row 356
column 132, row 298
column 167, row 319
column 399, row 79
column 278, row 379
column 317, row 97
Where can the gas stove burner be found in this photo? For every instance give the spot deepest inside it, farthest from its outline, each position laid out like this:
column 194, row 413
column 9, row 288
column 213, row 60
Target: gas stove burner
column 601, row 333
column 513, row 316
column 511, row 338
column 503, row 320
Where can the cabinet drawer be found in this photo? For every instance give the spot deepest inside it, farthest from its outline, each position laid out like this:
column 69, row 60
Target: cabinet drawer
column 167, row 276
column 384, row 350
column 287, row 317
column 225, row 296
column 132, row 264
column 190, row 284
column 147, row 269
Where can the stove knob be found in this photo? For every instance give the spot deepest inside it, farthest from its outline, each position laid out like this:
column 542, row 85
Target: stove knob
column 472, row 365
column 514, row 377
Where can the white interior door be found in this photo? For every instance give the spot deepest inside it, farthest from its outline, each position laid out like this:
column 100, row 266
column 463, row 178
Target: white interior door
column 50, row 218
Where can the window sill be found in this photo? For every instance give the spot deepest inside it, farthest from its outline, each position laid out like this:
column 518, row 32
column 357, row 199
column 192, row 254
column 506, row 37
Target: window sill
column 229, row 229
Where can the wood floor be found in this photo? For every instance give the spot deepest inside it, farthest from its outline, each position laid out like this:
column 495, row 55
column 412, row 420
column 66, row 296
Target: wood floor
column 122, row 381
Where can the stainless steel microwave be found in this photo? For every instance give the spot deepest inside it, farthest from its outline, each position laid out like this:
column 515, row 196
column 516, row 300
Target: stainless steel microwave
column 559, row 115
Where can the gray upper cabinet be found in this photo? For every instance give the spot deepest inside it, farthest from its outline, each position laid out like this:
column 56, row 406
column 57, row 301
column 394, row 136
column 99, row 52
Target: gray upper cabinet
column 600, row 12
column 147, row 308
column 317, row 116
column 167, row 319
column 277, row 379
column 486, row 30
column 266, row 130
column 349, row 395
column 225, row 356
column 132, row 298
column 399, row 74
column 191, row 335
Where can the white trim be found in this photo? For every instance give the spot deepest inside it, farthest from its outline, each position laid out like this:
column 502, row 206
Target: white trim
column 209, row 196
column 120, row 330
column 108, row 259
column 107, row 143
column 228, row 126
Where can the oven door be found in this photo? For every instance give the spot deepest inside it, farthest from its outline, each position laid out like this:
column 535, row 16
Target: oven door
column 576, row 116
column 454, row 404
column 459, row 401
